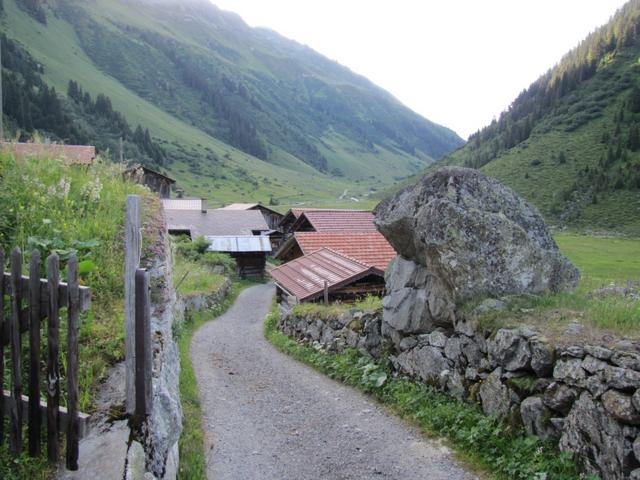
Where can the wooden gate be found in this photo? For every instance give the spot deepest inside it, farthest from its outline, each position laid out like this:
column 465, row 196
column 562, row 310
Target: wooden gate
column 31, row 300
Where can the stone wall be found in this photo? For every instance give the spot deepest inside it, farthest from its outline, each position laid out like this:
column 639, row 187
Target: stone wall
column 586, row 397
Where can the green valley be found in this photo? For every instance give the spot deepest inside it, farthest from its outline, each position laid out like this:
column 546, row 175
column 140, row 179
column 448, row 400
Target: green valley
column 241, row 113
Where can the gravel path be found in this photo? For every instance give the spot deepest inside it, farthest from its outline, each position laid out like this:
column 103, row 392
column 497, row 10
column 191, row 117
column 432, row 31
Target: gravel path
column 269, row 417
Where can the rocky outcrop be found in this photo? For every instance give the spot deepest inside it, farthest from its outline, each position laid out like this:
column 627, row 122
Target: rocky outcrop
column 461, row 235
column 464, row 235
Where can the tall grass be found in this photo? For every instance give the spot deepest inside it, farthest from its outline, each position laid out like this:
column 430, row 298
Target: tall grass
column 49, row 206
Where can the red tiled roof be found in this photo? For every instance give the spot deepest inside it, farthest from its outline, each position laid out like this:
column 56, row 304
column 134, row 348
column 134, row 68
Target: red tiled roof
column 70, row 154
column 370, row 248
column 338, row 220
column 304, row 277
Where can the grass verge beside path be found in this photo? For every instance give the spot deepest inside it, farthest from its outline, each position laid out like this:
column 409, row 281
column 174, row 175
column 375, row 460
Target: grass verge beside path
column 504, row 451
column 193, row 465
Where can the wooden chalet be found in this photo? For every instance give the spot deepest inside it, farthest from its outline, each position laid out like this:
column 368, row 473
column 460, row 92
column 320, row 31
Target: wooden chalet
column 326, row 275
column 69, row 154
column 156, row 181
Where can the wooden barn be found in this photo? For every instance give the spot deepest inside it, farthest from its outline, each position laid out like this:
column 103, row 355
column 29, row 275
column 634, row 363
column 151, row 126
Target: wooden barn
column 249, row 251
column 326, row 275
column 156, row 181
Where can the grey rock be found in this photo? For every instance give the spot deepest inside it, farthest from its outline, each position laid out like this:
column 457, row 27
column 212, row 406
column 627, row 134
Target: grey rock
column 592, row 364
column 573, row 351
column 542, row 356
column 471, row 374
column 471, row 351
column 415, row 300
column 626, row 360
column 489, row 305
column 437, row 339
column 557, row 423
column 535, row 417
column 636, row 448
column 102, row 454
column 620, row 407
column 598, row 352
column 466, row 325
column 510, row 350
column 495, row 397
column 622, row 378
column 453, row 349
column 596, row 386
column 596, row 439
column 424, row 362
column 559, row 397
column 635, row 474
column 454, row 385
column 478, row 236
column 135, row 462
column 570, row 371
column 636, row 399
column 408, row 343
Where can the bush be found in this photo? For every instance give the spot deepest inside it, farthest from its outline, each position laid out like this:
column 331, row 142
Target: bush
column 214, row 259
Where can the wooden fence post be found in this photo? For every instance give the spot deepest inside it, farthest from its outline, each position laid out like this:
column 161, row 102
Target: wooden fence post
column 53, row 370
column 143, row 345
column 326, row 293
column 2, row 343
column 35, row 417
column 131, row 262
column 16, row 351
column 72, row 364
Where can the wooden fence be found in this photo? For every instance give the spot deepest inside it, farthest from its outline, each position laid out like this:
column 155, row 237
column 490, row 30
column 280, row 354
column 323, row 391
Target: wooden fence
column 44, row 299
column 137, row 299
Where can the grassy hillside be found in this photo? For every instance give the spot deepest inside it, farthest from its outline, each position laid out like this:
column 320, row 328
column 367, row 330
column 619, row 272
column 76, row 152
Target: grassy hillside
column 242, row 113
column 570, row 142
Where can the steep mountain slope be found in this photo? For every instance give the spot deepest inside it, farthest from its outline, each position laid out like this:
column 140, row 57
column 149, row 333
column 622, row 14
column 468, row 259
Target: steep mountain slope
column 570, row 143
column 241, row 112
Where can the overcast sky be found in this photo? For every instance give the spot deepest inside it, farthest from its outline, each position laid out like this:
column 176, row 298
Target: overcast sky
column 456, row 62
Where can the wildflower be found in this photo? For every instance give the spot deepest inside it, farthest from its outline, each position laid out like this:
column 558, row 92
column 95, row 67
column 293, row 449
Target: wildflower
column 65, row 187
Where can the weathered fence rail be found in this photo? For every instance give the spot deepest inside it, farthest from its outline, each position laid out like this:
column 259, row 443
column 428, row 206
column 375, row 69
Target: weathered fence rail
column 31, row 300
column 138, row 355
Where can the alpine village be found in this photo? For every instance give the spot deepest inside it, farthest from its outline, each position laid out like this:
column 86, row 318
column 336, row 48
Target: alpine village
column 225, row 256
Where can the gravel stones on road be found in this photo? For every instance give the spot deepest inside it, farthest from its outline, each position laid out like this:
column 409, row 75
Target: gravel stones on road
column 267, row 416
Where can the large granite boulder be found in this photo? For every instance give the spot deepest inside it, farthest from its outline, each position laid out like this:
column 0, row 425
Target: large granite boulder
column 469, row 236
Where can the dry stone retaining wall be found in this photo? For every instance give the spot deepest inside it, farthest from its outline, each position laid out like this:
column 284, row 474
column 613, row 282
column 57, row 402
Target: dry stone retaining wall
column 586, row 397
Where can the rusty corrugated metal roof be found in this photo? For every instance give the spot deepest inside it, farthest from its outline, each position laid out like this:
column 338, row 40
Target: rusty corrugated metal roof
column 239, row 243
column 338, row 220
column 304, row 277
column 370, row 248
column 70, row 154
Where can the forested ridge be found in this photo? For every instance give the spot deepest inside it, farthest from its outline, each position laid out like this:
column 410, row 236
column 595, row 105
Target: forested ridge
column 570, row 142
column 32, row 107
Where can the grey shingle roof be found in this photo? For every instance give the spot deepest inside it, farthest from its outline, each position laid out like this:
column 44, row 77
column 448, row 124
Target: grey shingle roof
column 216, row 222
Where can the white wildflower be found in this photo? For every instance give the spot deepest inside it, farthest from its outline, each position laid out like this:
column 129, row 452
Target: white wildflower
column 65, row 187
